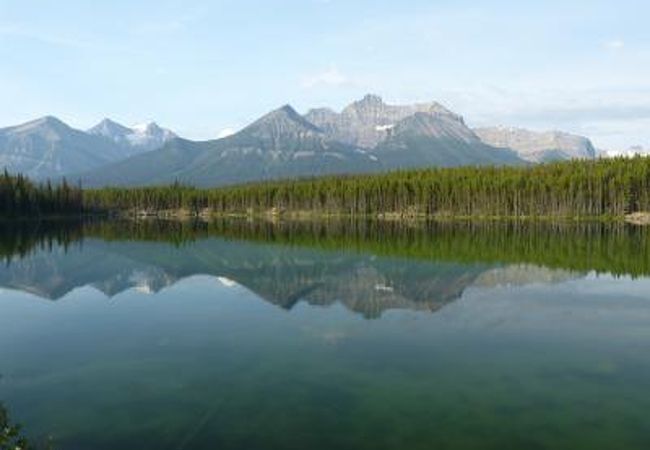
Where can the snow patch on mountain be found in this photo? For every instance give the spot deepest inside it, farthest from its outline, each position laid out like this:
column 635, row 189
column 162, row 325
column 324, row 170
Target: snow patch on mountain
column 139, row 138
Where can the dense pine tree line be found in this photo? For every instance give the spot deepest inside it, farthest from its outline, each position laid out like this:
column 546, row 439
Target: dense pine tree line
column 20, row 197
column 611, row 187
column 606, row 187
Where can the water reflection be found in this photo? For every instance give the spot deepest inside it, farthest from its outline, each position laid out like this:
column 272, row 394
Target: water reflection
column 169, row 335
column 367, row 269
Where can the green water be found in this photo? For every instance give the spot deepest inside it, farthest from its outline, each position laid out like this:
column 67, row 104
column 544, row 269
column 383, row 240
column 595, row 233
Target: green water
column 263, row 336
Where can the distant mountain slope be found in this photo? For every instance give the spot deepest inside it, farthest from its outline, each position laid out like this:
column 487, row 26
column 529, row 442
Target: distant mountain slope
column 138, row 139
column 425, row 139
column 368, row 135
column 282, row 144
column 538, row 146
column 157, row 167
column 47, row 147
column 401, row 136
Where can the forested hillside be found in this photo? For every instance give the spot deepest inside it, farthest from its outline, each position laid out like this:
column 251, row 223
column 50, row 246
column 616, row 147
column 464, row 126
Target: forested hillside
column 612, row 187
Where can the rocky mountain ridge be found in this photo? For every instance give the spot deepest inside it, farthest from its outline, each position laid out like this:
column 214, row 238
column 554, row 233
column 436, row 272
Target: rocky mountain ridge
column 141, row 138
column 281, row 144
column 537, row 146
column 49, row 148
column 368, row 121
column 368, row 135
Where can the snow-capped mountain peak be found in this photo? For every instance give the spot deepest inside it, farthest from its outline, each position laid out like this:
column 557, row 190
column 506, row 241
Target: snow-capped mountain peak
column 140, row 138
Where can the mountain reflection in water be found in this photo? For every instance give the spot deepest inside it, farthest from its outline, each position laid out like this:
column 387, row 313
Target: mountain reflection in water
column 280, row 263
column 177, row 335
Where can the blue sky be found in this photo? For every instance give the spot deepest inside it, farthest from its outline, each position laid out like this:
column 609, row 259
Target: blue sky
column 201, row 67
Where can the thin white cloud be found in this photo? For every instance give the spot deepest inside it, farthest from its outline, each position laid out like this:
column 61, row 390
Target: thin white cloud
column 330, row 77
column 16, row 31
column 614, row 44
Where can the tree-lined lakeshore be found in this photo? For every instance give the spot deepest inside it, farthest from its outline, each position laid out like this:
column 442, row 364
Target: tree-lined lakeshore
column 602, row 188
column 605, row 188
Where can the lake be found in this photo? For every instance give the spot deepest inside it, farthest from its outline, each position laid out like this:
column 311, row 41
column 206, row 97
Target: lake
column 338, row 335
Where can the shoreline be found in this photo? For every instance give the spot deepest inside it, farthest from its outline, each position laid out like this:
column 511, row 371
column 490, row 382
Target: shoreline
column 640, row 218
column 637, row 218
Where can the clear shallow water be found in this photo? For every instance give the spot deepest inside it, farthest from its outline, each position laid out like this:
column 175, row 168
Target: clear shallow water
column 239, row 344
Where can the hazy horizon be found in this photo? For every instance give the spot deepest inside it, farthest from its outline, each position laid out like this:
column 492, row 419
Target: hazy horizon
column 200, row 68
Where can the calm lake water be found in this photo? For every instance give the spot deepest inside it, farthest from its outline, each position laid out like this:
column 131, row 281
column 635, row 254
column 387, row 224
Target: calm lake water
column 326, row 336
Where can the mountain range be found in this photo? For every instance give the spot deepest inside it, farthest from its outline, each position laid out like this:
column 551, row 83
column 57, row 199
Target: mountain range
column 281, row 144
column 367, row 136
column 141, row 138
column 49, row 148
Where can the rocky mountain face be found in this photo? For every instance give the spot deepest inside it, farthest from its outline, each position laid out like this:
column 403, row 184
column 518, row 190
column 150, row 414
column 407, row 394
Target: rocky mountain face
column 426, row 140
column 409, row 136
column 538, row 146
column 369, row 121
column 141, row 138
column 281, row 144
column 283, row 124
column 367, row 136
column 47, row 148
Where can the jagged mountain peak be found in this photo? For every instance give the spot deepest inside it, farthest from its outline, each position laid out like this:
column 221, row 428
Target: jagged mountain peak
column 433, row 125
column 150, row 127
column 151, row 130
column 287, row 112
column 369, row 104
column 48, row 120
column 370, row 99
column 108, row 127
column 109, row 122
column 374, row 104
column 366, row 122
column 281, row 121
column 144, row 137
column 47, row 148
